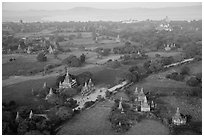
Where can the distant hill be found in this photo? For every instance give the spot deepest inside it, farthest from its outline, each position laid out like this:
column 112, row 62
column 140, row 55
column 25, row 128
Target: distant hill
column 93, row 14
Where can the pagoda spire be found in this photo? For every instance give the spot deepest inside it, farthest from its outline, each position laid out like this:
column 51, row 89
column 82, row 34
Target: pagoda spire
column 17, row 116
column 136, row 91
column 177, row 112
column 67, row 76
column 142, row 90
column 120, row 105
column 85, row 85
column 50, row 92
column 44, row 85
column 31, row 114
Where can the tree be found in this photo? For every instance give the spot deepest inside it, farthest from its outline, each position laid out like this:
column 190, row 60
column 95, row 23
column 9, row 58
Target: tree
column 132, row 77
column 127, row 43
column 83, row 77
column 55, row 99
column 88, row 104
column 185, row 70
column 64, row 113
column 133, row 68
column 67, row 93
column 193, row 81
column 82, row 58
column 23, row 127
column 167, row 60
column 72, row 61
column 114, row 64
column 71, row 103
column 41, row 57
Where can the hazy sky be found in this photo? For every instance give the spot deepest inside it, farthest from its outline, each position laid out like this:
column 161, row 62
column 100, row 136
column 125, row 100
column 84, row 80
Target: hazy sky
column 104, row 5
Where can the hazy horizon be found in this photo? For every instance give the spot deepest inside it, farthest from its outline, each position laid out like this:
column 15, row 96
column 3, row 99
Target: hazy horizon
column 104, row 11
column 22, row 6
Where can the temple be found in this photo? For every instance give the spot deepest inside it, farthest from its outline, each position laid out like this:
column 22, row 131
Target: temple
column 141, row 102
column 177, row 119
column 67, row 83
column 88, row 88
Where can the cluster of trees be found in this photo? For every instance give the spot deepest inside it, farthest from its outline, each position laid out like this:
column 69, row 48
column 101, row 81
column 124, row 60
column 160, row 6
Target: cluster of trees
column 23, row 125
column 103, row 51
column 175, row 76
column 193, row 50
column 73, row 61
column 41, row 57
column 195, row 80
column 125, row 50
column 113, row 64
column 179, row 76
column 156, row 65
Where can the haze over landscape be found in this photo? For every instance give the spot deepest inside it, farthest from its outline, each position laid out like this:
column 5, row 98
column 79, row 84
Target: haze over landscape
column 83, row 12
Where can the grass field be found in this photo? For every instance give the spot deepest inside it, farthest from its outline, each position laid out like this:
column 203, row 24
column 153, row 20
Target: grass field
column 148, row 127
column 93, row 121
column 24, row 65
column 21, row 92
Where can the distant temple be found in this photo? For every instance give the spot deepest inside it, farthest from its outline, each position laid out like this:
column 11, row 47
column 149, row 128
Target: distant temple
column 118, row 39
column 177, row 119
column 29, row 50
column 165, row 25
column 141, row 101
column 51, row 50
column 88, row 88
column 45, row 85
column 68, row 82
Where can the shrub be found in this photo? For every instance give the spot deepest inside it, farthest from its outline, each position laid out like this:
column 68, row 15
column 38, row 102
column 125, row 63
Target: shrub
column 114, row 64
column 82, row 58
column 88, row 104
column 185, row 70
column 196, row 92
column 157, row 55
column 41, row 57
column 167, row 60
column 193, row 81
column 175, row 76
